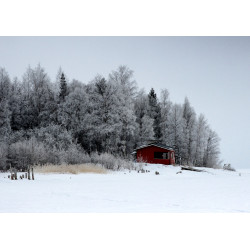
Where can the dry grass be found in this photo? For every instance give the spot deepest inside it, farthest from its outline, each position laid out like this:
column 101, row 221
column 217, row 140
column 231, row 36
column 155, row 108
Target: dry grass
column 72, row 169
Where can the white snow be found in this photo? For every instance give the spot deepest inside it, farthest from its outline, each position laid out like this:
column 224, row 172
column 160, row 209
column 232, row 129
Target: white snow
column 124, row 191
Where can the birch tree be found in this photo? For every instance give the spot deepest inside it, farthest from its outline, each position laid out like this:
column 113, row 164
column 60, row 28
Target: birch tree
column 212, row 151
column 200, row 140
column 188, row 126
column 165, row 105
column 175, row 131
column 5, row 113
column 123, row 80
column 104, row 123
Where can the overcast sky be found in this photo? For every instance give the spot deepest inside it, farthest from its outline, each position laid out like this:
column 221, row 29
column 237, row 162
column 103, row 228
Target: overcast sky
column 213, row 72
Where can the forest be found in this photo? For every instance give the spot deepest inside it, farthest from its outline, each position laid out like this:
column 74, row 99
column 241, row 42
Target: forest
column 67, row 121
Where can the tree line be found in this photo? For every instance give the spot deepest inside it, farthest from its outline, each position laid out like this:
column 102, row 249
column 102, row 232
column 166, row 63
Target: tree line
column 44, row 121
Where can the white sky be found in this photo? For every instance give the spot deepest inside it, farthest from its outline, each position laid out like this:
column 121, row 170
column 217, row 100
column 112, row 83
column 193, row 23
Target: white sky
column 213, row 72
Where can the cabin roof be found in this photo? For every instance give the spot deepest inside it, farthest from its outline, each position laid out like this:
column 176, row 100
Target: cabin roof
column 159, row 145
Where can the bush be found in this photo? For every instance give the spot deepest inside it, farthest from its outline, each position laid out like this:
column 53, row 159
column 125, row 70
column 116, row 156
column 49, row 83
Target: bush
column 33, row 152
column 27, row 152
column 111, row 162
column 56, row 149
column 3, row 155
column 75, row 155
column 228, row 167
column 54, row 136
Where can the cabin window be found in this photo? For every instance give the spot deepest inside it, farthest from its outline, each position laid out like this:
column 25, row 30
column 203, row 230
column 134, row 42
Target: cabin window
column 172, row 155
column 160, row 155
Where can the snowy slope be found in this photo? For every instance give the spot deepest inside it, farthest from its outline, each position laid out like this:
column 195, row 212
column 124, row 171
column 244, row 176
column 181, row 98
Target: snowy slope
column 212, row 191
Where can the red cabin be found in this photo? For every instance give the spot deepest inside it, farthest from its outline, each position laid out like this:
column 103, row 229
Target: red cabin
column 155, row 153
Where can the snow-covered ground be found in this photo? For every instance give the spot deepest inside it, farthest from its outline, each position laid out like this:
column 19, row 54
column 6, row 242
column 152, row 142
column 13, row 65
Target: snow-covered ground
column 212, row 191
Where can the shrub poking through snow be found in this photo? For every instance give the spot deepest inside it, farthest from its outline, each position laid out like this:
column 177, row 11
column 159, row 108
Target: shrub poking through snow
column 111, row 162
column 228, row 167
column 35, row 152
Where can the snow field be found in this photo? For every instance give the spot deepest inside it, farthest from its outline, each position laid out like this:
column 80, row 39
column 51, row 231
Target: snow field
column 129, row 191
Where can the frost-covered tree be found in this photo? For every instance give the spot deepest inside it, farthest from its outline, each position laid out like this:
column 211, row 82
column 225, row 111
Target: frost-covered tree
column 200, row 140
column 174, row 130
column 72, row 112
column 5, row 116
column 124, row 82
column 144, row 131
column 124, row 77
column 5, row 113
column 16, row 105
column 147, row 131
column 154, row 112
column 212, row 151
column 53, row 136
column 188, row 126
column 43, row 97
column 56, row 82
column 165, row 105
column 4, row 84
column 104, row 126
column 49, row 114
column 36, row 93
column 3, row 155
column 63, row 88
column 57, row 122
column 74, row 84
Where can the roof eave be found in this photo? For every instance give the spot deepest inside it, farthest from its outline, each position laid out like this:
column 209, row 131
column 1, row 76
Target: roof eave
column 145, row 146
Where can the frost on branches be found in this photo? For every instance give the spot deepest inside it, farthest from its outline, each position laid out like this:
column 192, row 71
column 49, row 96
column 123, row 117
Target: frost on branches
column 46, row 119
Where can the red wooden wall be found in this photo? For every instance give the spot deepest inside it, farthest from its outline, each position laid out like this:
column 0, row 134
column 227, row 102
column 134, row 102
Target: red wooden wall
column 147, row 155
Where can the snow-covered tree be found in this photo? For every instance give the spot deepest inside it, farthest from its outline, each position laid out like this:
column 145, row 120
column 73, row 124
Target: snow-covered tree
column 63, row 88
column 175, row 131
column 36, row 93
column 154, row 112
column 147, row 131
column 104, row 126
column 200, row 140
column 72, row 112
column 5, row 116
column 124, row 82
column 5, row 113
column 188, row 126
column 212, row 151
column 106, row 115
column 144, row 131
column 4, row 84
column 16, row 105
column 3, row 155
column 165, row 105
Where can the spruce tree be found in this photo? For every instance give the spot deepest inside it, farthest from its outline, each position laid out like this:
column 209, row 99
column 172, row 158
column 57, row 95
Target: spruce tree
column 154, row 112
column 63, row 88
